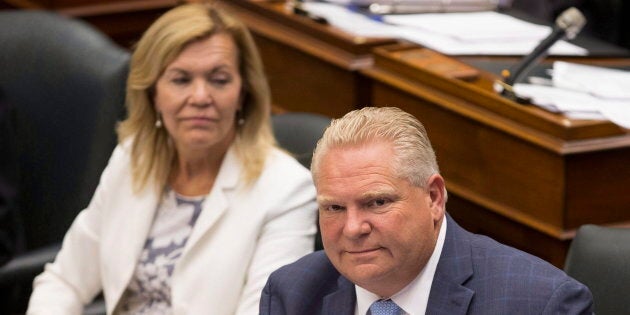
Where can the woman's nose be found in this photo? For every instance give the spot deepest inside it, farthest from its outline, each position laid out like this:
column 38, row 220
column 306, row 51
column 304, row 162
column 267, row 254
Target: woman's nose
column 200, row 94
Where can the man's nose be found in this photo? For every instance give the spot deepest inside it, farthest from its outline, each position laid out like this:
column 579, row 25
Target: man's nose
column 357, row 224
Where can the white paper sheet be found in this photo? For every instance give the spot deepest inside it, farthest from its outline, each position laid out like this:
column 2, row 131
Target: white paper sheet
column 597, row 81
column 577, row 104
column 473, row 26
column 475, row 33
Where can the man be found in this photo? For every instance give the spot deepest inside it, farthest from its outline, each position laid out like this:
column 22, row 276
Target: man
column 389, row 243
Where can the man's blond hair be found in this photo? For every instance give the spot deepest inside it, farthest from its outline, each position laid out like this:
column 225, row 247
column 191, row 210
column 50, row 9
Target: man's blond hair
column 414, row 158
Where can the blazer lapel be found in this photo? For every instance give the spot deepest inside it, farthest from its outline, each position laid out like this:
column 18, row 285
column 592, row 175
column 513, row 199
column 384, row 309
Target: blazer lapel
column 218, row 201
column 342, row 301
column 133, row 232
column 448, row 294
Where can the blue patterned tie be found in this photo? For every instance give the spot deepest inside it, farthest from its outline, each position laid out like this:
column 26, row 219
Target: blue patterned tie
column 385, row 307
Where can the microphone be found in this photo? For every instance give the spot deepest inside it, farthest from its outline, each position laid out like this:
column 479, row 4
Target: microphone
column 568, row 24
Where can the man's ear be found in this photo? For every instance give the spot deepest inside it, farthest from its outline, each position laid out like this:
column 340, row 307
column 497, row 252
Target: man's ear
column 437, row 195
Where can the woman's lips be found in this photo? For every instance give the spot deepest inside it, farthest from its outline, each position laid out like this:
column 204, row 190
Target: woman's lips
column 199, row 120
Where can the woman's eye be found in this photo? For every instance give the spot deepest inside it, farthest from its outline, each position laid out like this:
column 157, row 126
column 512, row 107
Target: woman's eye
column 180, row 80
column 220, row 81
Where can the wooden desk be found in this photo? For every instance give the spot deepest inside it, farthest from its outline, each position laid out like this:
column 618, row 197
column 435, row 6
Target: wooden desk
column 522, row 175
column 311, row 67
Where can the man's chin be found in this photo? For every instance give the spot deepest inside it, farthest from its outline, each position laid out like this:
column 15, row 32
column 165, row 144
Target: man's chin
column 365, row 274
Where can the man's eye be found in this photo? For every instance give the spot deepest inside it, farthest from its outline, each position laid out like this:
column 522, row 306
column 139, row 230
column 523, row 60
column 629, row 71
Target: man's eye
column 334, row 208
column 378, row 202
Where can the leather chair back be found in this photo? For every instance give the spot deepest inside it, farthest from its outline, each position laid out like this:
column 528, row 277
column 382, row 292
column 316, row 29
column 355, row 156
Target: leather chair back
column 64, row 83
column 298, row 133
column 599, row 257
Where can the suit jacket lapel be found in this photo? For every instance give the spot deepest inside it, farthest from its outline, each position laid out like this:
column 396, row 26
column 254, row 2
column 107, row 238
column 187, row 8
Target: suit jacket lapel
column 342, row 301
column 217, row 202
column 448, row 294
column 133, row 232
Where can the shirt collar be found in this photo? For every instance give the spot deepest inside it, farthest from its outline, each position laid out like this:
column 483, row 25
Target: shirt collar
column 413, row 299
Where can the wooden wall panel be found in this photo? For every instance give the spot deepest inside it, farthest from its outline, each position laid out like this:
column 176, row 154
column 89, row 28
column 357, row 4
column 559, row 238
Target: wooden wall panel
column 598, row 191
column 306, row 83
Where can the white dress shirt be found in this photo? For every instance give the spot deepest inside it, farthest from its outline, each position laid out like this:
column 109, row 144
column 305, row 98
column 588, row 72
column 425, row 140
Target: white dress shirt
column 413, row 299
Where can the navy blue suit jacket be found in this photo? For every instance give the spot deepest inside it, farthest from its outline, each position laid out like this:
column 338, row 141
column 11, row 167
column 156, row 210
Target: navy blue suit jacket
column 475, row 275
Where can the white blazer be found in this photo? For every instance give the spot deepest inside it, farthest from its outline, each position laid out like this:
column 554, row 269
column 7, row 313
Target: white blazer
column 242, row 234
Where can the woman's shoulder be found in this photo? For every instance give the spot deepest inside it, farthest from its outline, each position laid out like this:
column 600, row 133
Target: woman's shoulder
column 282, row 170
column 121, row 155
column 281, row 161
column 283, row 181
column 123, row 149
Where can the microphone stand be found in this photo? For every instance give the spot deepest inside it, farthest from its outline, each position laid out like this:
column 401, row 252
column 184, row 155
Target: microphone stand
column 568, row 24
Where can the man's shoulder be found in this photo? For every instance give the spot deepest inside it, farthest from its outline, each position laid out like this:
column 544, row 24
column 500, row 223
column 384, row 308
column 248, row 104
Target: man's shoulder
column 521, row 280
column 526, row 282
column 302, row 288
column 485, row 251
column 485, row 260
column 493, row 259
column 500, row 256
column 312, row 269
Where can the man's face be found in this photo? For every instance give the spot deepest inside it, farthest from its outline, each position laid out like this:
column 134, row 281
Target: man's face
column 378, row 230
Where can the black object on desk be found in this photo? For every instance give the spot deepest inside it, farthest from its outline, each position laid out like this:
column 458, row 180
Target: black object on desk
column 596, row 47
column 568, row 25
column 298, row 8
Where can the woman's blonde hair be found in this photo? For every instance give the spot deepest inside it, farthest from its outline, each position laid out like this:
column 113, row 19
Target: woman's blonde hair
column 152, row 152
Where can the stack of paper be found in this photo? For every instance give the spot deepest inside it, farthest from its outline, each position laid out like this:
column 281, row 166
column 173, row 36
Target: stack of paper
column 420, row 6
column 471, row 33
column 584, row 92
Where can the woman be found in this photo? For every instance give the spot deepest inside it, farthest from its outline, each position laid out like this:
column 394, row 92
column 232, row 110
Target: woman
column 197, row 205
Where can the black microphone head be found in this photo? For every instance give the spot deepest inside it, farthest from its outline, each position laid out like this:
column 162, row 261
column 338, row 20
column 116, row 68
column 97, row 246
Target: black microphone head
column 571, row 21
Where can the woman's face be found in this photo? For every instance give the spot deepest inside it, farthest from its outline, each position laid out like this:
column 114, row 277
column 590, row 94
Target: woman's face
column 199, row 94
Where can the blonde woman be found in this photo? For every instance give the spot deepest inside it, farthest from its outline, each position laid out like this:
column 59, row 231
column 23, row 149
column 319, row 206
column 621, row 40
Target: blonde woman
column 197, row 205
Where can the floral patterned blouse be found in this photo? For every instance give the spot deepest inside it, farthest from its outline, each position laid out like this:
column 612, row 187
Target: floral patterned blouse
column 149, row 291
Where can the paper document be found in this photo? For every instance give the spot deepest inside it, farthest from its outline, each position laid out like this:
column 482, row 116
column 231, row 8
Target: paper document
column 472, row 33
column 421, row 6
column 425, row 6
column 583, row 92
column 349, row 21
column 598, row 81
column 472, row 27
